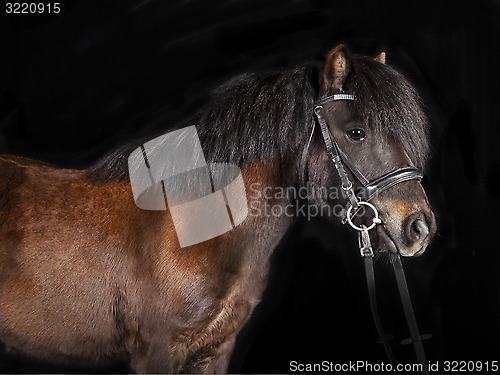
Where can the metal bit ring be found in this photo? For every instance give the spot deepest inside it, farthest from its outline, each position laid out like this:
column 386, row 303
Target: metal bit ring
column 375, row 220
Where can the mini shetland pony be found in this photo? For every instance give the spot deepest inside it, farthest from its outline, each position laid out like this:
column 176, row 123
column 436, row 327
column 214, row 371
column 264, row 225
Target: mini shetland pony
column 86, row 274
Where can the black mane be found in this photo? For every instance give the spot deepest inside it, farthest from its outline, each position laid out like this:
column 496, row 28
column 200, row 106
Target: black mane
column 258, row 117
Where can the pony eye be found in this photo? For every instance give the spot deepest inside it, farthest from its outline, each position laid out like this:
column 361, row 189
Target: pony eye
column 356, row 134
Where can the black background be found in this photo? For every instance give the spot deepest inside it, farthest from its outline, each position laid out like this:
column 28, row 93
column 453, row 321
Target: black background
column 76, row 84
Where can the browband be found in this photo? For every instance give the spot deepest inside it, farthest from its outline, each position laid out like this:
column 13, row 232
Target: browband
column 333, row 98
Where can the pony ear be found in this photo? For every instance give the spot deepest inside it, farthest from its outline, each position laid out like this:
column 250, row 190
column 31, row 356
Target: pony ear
column 336, row 70
column 380, row 58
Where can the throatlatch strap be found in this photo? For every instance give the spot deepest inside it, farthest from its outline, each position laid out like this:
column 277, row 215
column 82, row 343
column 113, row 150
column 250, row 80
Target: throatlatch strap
column 416, row 338
column 303, row 158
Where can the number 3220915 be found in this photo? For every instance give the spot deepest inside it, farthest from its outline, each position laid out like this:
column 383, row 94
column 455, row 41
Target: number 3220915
column 32, row 8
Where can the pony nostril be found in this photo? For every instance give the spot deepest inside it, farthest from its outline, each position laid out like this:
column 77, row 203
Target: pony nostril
column 421, row 229
column 417, row 229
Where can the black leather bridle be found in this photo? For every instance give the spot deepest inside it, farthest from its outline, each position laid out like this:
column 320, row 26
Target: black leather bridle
column 369, row 190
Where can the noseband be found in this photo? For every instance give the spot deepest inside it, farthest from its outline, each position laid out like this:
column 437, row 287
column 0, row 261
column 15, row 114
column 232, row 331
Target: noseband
column 369, row 190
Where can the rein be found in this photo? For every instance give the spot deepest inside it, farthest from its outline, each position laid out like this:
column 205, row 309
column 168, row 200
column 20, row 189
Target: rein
column 370, row 189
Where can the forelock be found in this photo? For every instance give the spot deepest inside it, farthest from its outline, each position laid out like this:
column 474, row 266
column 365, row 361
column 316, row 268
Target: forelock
column 387, row 102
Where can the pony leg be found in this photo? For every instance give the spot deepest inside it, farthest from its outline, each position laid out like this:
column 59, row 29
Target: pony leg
column 155, row 356
column 210, row 359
